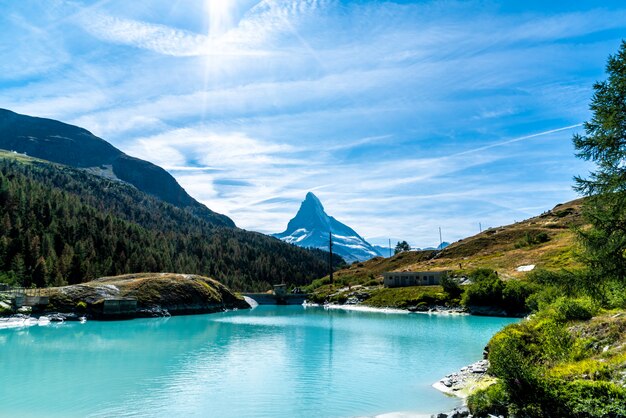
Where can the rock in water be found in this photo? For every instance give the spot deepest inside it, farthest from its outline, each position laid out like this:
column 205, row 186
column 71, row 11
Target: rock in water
column 147, row 295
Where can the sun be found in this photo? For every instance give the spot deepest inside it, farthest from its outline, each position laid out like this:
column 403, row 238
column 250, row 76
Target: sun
column 221, row 16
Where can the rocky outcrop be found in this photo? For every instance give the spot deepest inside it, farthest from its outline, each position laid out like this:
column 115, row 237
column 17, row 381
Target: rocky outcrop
column 462, row 412
column 463, row 383
column 145, row 295
column 467, row 380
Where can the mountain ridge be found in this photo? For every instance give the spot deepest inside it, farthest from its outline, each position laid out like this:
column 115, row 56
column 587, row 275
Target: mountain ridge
column 63, row 143
column 311, row 227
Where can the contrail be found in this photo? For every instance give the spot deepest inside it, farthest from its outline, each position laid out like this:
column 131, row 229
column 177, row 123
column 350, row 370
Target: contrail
column 522, row 138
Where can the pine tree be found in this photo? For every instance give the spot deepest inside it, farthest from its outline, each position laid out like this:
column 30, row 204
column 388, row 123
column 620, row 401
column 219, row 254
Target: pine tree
column 402, row 247
column 604, row 143
column 40, row 273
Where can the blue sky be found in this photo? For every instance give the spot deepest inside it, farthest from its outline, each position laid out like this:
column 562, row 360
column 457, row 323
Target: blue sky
column 401, row 116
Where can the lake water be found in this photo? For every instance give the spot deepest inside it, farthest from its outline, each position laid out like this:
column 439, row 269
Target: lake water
column 267, row 362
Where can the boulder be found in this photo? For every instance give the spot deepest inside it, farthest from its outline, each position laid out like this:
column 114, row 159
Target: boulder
column 146, row 295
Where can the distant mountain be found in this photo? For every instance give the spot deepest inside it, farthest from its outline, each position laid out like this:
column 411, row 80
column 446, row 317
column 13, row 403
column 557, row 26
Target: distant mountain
column 439, row 247
column 70, row 145
column 311, row 226
column 384, row 251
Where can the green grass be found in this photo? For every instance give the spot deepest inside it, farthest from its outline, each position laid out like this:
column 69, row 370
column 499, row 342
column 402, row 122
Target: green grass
column 406, row 297
column 24, row 159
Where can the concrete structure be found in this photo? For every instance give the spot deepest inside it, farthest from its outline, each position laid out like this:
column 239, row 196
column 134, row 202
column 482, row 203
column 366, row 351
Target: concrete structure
column 35, row 300
column 272, row 299
column 26, row 297
column 119, row 307
column 278, row 297
column 412, row 278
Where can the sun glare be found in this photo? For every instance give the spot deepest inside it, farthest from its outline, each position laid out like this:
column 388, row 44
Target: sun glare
column 221, row 16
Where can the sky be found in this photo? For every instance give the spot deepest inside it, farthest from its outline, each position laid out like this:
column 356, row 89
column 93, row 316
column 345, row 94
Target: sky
column 401, row 116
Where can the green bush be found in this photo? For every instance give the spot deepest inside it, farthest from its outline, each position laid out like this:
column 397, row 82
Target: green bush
column 616, row 295
column 451, row 287
column 485, row 290
column 318, row 298
column 514, row 295
column 372, row 282
column 532, row 238
column 491, row 400
column 545, row 296
column 568, row 309
column 585, row 398
column 568, row 283
column 9, row 278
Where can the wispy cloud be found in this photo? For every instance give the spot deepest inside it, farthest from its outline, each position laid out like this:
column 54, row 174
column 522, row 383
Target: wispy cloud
column 514, row 140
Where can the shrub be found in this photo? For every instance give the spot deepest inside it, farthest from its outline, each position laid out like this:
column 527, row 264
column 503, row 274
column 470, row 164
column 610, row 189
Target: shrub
column 514, row 295
column 543, row 297
column 531, row 238
column 616, row 295
column 491, row 400
column 451, row 287
column 568, row 309
column 592, row 398
column 570, row 283
column 510, row 361
column 486, row 289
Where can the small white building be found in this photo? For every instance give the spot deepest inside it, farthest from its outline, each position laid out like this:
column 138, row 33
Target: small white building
column 412, row 278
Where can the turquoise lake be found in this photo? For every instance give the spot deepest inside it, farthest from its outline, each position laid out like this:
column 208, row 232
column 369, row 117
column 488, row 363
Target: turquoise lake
column 266, row 362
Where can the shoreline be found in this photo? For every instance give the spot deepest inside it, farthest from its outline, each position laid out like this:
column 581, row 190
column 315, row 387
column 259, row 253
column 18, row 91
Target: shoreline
column 437, row 310
column 467, row 380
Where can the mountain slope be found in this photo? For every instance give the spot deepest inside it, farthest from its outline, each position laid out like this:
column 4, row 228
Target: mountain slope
column 63, row 225
column 311, row 227
column 70, row 145
column 545, row 241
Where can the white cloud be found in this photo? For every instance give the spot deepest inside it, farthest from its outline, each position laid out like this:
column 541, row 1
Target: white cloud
column 402, row 116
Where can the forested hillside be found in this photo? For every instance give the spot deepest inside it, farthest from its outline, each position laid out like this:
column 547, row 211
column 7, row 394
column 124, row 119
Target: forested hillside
column 61, row 225
column 73, row 146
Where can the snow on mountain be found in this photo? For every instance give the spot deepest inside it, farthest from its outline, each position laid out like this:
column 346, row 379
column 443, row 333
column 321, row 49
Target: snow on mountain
column 311, row 227
column 384, row 251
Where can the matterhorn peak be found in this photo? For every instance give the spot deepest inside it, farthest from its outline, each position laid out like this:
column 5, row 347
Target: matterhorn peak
column 312, row 226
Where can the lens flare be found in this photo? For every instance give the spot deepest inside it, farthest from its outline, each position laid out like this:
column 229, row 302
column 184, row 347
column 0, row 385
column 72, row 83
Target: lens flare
column 221, row 16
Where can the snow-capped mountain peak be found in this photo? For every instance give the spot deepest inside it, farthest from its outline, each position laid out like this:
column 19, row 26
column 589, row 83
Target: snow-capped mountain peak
column 311, row 227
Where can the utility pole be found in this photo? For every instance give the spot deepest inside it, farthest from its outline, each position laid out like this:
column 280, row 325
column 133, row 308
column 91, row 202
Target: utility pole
column 480, row 227
column 440, row 240
column 330, row 256
column 389, row 247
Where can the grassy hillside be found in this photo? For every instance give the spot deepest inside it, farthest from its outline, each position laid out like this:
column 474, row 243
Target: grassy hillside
column 547, row 241
column 61, row 225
